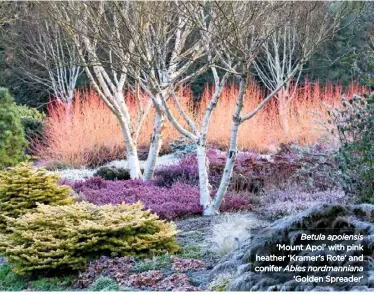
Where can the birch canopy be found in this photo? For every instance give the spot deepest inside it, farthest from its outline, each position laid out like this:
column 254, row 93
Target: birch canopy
column 160, row 46
column 46, row 56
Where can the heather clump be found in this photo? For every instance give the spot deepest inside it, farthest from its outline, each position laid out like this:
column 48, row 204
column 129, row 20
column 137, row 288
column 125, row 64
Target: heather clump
column 179, row 200
column 313, row 168
column 186, row 170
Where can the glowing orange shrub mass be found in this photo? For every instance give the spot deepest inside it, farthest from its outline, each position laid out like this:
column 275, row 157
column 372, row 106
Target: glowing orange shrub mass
column 264, row 132
column 88, row 133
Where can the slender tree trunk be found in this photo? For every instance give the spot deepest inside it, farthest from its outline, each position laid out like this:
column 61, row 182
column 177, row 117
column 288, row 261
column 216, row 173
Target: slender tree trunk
column 131, row 151
column 155, row 146
column 213, row 208
column 203, row 168
column 283, row 111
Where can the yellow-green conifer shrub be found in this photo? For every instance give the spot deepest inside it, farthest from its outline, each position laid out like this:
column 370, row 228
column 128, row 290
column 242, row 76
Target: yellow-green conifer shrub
column 23, row 186
column 68, row 237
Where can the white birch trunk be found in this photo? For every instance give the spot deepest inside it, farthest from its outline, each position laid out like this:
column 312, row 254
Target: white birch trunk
column 131, row 152
column 155, row 146
column 133, row 164
column 213, row 207
column 131, row 147
column 203, row 168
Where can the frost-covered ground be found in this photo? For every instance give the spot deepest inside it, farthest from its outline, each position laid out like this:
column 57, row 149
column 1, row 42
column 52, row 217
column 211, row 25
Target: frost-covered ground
column 165, row 160
column 80, row 174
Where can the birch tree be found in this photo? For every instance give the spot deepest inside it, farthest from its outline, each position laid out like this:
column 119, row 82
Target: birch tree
column 167, row 47
column 277, row 60
column 48, row 48
column 83, row 23
column 314, row 21
column 283, row 51
column 166, row 53
column 44, row 54
column 129, row 43
column 233, row 33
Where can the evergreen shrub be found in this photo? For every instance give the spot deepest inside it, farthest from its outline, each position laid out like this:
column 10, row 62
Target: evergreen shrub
column 66, row 238
column 12, row 140
column 23, row 186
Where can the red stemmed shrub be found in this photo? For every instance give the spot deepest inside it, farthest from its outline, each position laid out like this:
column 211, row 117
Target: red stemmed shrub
column 80, row 136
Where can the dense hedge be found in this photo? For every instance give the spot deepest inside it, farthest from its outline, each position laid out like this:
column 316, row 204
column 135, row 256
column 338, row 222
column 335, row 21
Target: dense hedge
column 68, row 237
column 23, row 186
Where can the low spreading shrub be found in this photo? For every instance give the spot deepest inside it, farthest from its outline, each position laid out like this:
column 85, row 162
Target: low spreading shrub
column 12, row 140
column 58, row 238
column 186, row 170
column 93, row 183
column 112, row 173
column 343, row 221
column 169, row 203
column 104, row 284
column 10, row 281
column 23, row 187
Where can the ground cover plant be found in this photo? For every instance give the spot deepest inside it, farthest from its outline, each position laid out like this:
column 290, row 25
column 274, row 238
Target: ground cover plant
column 179, row 200
column 310, row 167
column 156, row 274
column 321, row 219
column 275, row 203
column 12, row 141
